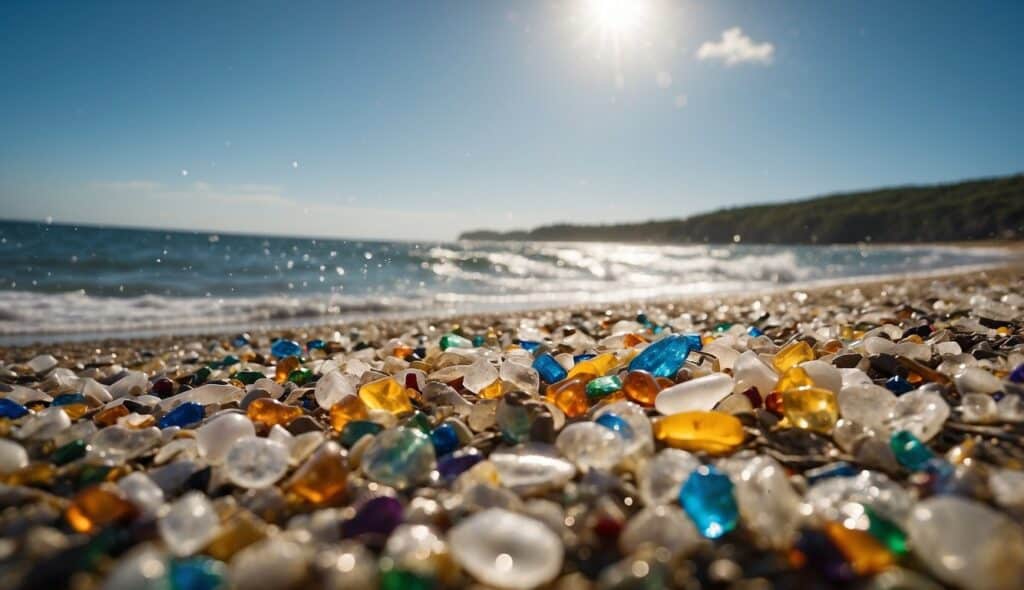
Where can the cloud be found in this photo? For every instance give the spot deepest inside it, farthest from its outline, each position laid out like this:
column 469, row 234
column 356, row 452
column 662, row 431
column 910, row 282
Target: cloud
column 737, row 48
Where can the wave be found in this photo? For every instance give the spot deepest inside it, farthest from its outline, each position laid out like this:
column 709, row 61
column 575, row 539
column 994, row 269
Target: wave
column 245, row 281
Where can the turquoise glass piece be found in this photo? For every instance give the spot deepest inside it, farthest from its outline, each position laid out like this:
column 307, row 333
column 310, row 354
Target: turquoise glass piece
column 707, row 496
column 664, row 357
column 455, row 341
column 549, row 369
column 357, row 429
column 910, row 451
column 197, row 573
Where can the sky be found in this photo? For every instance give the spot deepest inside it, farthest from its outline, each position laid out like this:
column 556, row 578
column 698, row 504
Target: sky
column 418, row 120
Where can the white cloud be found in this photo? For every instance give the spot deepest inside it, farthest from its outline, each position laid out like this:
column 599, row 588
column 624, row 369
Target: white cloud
column 737, row 48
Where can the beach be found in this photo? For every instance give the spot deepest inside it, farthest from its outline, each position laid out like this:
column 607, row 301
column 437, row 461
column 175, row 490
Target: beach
column 823, row 435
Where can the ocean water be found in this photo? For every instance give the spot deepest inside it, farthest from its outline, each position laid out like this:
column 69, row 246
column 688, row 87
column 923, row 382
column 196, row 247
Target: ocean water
column 57, row 281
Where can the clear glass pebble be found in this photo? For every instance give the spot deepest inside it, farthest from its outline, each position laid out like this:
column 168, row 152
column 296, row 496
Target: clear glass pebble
column 255, row 462
column 661, row 478
column 590, row 446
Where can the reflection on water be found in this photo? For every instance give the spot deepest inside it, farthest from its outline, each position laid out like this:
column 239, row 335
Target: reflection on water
column 63, row 279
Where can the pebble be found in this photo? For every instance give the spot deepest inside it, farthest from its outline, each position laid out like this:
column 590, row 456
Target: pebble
column 662, row 358
column 333, row 388
column 254, row 462
column 506, row 550
column 697, row 394
column 214, row 439
column 12, row 456
column 712, row 432
column 967, row 544
column 532, row 469
column 662, row 527
column 590, row 446
column 662, row 476
column 866, row 404
column 707, row 496
column 922, row 413
column 189, row 524
column 399, row 457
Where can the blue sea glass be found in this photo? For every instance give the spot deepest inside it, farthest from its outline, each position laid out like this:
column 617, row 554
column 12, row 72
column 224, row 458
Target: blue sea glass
column 837, row 469
column 549, row 369
column 67, row 399
column 707, row 497
column 186, row 414
column 693, row 339
column 617, row 424
column 11, row 409
column 898, row 385
column 1017, row 375
column 445, row 439
column 453, row 465
column 529, row 345
column 664, row 357
column 285, row 348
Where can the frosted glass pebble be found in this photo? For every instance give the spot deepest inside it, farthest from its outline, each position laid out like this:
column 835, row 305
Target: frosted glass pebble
column 506, row 550
column 532, row 469
column 665, row 527
column 700, row 394
column 967, row 544
column 254, row 462
column 333, row 387
column 590, row 445
column 12, row 456
column 866, row 404
column 479, row 375
column 824, row 375
column 189, row 524
column 920, row 412
column 661, row 478
column 215, row 438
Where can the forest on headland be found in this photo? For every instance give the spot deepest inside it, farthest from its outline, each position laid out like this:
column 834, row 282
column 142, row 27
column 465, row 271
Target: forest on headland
column 983, row 209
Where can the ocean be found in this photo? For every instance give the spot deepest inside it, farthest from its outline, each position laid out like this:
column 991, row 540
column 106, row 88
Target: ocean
column 61, row 281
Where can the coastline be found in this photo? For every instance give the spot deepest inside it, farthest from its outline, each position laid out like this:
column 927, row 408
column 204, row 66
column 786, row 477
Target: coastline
column 19, row 348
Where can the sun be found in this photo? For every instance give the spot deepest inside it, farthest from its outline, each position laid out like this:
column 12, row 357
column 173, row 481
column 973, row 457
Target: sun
column 617, row 20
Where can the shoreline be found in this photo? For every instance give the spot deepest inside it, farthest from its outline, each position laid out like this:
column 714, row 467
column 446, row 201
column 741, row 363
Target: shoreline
column 14, row 348
column 443, row 308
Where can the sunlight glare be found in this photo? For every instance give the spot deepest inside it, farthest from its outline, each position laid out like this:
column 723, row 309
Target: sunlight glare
column 617, row 18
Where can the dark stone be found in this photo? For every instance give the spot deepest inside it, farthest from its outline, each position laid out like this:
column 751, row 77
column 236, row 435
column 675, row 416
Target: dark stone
column 304, row 424
column 847, row 361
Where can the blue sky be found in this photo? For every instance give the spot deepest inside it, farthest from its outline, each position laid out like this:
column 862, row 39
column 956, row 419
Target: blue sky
column 421, row 119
